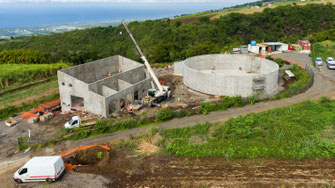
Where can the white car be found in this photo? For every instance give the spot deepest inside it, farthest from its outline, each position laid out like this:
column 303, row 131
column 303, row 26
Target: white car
column 330, row 63
column 73, row 122
column 45, row 168
column 318, row 61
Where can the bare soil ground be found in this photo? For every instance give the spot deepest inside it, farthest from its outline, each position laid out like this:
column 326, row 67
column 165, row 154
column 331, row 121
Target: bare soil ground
column 125, row 167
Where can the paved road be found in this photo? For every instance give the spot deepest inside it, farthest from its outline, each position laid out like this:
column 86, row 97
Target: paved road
column 323, row 86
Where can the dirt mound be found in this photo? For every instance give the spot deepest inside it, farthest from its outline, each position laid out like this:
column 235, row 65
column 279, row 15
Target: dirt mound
column 171, row 80
column 148, row 148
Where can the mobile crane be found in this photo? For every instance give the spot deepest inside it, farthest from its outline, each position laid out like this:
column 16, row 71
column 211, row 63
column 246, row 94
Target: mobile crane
column 154, row 96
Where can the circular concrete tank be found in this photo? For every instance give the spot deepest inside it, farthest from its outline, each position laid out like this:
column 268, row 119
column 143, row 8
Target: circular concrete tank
column 230, row 75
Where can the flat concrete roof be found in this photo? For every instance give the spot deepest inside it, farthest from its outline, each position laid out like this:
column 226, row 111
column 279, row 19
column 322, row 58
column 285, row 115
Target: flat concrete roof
column 273, row 43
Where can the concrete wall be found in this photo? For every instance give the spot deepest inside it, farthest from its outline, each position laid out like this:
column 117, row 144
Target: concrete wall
column 69, row 86
column 112, row 102
column 101, row 92
column 106, row 91
column 179, row 68
column 131, row 76
column 93, row 71
column 242, row 75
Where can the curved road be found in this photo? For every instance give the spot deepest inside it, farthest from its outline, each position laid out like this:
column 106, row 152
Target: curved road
column 324, row 80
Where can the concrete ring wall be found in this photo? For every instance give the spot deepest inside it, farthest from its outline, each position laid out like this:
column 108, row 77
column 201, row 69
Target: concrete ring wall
column 229, row 75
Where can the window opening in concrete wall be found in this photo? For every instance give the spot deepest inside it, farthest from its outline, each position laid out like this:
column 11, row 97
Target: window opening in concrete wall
column 145, row 75
column 63, row 83
column 136, row 95
column 70, row 85
column 77, row 102
column 143, row 91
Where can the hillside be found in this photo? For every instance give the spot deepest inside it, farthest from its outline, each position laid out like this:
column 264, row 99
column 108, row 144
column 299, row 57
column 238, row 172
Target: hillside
column 164, row 41
column 248, row 9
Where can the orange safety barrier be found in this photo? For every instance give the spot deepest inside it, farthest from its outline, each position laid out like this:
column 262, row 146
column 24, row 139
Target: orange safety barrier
column 41, row 108
column 82, row 147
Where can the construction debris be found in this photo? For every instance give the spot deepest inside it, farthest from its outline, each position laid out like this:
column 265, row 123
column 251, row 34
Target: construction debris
column 10, row 122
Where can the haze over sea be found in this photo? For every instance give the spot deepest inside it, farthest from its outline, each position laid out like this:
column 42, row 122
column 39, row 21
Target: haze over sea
column 14, row 15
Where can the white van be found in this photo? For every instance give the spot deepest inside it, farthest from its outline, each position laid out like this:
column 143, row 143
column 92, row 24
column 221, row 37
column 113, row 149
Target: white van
column 73, row 122
column 46, row 168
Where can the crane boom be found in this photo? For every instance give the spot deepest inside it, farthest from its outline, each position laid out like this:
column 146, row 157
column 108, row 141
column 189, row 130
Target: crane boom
column 146, row 63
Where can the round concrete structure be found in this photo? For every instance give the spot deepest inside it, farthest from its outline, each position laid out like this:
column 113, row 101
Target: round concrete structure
column 229, row 75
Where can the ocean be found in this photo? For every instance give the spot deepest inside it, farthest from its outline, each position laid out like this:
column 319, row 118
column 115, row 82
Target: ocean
column 38, row 14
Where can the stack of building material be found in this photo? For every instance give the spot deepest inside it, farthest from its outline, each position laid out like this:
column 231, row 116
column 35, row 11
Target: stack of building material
column 46, row 117
column 33, row 120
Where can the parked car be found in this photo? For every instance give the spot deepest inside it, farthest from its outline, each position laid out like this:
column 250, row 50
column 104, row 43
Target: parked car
column 45, row 168
column 330, row 63
column 318, row 61
column 73, row 122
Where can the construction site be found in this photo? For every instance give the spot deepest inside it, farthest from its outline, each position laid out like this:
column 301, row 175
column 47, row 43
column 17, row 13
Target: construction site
column 120, row 89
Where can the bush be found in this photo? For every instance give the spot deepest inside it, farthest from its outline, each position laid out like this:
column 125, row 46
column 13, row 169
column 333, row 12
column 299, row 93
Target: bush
column 181, row 114
column 279, row 61
column 224, row 104
column 302, row 82
column 22, row 143
column 165, row 114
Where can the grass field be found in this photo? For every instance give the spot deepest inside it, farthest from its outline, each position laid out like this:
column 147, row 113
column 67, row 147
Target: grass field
column 304, row 130
column 324, row 49
column 12, row 74
column 32, row 92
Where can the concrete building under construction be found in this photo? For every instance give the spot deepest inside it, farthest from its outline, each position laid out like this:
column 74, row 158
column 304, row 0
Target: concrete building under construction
column 100, row 86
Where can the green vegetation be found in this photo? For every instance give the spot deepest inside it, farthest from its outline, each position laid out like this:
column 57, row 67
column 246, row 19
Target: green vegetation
column 165, row 114
column 165, row 41
column 102, row 127
column 11, row 74
column 324, row 49
column 12, row 110
column 39, row 89
column 24, row 56
column 225, row 103
column 22, row 143
column 100, row 154
column 322, row 36
column 302, row 83
column 279, row 61
column 296, row 131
